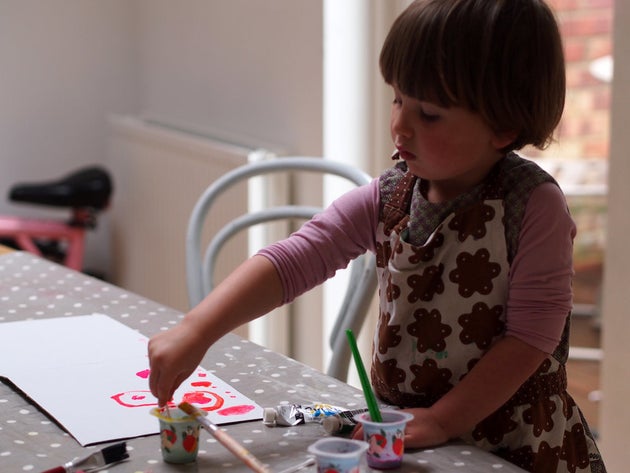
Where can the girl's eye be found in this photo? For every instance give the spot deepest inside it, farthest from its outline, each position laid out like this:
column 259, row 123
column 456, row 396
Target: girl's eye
column 428, row 117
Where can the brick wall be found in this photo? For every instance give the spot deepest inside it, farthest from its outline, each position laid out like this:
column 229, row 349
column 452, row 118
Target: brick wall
column 579, row 157
column 586, row 27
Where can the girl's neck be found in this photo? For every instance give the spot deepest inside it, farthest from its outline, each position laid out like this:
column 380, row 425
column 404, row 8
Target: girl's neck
column 440, row 191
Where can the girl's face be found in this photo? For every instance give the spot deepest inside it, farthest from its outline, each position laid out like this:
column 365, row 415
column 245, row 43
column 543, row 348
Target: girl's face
column 452, row 148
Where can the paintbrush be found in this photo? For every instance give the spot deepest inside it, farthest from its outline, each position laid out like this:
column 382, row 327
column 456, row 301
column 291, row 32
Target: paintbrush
column 370, row 398
column 225, row 439
column 95, row 460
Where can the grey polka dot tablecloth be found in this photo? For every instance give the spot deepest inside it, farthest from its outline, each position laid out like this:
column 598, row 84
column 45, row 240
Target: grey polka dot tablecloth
column 31, row 288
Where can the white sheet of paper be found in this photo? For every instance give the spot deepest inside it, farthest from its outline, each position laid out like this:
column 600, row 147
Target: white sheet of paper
column 90, row 373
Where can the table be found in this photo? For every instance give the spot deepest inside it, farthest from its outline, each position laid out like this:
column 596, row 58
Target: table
column 31, row 287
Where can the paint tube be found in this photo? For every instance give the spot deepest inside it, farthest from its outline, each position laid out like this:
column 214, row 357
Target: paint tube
column 341, row 423
column 295, row 414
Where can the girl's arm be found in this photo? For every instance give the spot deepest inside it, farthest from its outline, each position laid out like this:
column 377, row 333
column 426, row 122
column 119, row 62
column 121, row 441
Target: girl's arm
column 275, row 276
column 493, row 380
column 253, row 289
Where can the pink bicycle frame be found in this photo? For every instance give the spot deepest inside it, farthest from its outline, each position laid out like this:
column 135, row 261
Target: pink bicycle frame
column 25, row 230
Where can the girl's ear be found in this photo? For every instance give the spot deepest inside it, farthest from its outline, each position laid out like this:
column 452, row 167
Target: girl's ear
column 503, row 139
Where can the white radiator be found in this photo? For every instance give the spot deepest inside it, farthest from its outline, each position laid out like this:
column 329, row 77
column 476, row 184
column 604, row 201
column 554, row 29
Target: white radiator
column 159, row 173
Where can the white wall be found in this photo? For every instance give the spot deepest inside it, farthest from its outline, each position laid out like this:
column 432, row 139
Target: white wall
column 245, row 67
column 65, row 64
column 249, row 68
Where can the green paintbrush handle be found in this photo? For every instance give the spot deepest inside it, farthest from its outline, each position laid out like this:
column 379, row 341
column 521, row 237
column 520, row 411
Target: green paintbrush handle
column 372, row 405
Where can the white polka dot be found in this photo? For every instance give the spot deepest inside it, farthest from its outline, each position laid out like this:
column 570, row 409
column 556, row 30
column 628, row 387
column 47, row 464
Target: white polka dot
column 5, row 454
column 466, row 452
column 234, row 380
column 55, row 445
column 259, row 391
column 497, row 466
column 27, row 467
column 33, row 434
column 24, row 411
column 459, row 464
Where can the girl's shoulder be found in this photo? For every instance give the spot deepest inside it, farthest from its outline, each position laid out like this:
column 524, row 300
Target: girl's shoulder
column 518, row 173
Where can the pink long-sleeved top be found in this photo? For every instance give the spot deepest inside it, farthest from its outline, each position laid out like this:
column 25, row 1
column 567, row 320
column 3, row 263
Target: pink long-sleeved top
column 540, row 296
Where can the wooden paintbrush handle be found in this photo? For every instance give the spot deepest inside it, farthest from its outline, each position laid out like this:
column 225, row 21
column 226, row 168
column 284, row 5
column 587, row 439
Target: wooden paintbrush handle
column 241, row 452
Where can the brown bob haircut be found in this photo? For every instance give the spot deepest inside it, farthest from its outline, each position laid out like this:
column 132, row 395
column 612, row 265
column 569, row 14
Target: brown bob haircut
column 502, row 59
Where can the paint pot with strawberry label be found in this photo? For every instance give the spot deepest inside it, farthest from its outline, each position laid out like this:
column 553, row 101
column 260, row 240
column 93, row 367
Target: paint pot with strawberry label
column 179, row 435
column 338, row 454
column 386, row 440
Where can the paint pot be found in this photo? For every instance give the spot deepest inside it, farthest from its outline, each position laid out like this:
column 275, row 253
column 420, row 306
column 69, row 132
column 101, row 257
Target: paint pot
column 338, row 454
column 179, row 435
column 386, row 439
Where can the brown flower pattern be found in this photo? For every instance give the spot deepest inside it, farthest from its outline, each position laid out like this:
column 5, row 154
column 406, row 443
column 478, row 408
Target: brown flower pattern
column 429, row 330
column 472, row 222
column 540, row 416
column 393, row 291
column 545, row 461
column 426, row 253
column 496, row 425
column 574, row 449
column 482, row 325
column 383, row 253
column 425, row 286
column 431, row 379
column 389, row 372
column 474, row 273
column 387, row 334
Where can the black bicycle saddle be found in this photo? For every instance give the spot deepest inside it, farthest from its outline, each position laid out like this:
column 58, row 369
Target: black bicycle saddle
column 89, row 187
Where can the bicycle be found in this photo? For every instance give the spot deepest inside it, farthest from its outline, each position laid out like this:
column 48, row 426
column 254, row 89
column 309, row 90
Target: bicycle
column 86, row 192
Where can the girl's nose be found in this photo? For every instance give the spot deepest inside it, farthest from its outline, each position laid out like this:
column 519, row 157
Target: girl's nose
column 400, row 124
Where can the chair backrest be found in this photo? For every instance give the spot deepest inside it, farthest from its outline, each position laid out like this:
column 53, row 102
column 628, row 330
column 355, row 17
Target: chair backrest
column 199, row 271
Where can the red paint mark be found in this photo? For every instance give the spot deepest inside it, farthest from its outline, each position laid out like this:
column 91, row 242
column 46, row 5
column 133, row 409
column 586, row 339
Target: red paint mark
column 236, row 410
column 201, row 384
column 134, row 399
column 144, row 373
column 206, row 400
column 202, row 375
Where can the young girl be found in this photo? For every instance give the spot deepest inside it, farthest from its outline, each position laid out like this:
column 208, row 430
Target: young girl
column 473, row 243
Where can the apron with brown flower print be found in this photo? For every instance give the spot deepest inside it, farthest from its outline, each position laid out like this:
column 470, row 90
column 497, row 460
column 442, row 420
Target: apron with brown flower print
column 443, row 280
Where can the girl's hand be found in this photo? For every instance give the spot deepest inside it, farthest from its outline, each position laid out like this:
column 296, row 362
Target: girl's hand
column 173, row 356
column 422, row 431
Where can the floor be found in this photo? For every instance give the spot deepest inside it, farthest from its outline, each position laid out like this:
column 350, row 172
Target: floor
column 584, row 376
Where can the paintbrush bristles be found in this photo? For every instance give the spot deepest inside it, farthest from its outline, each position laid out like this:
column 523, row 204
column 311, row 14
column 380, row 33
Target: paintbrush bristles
column 115, row 453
